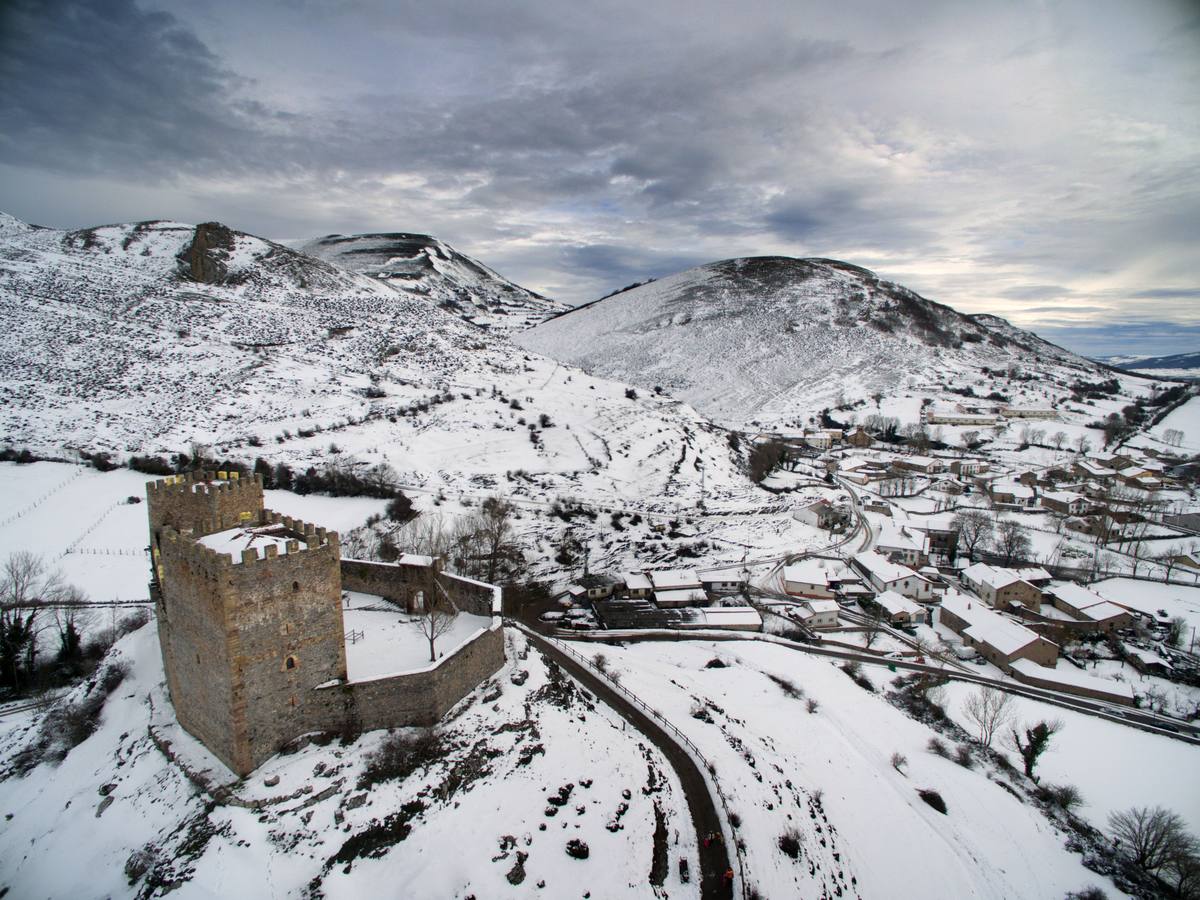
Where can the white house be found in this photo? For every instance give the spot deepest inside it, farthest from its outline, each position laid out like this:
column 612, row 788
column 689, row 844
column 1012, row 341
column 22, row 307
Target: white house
column 820, row 514
column 637, row 585
column 899, row 609
column 885, row 575
column 898, row 543
column 723, row 581
column 824, row 613
column 809, row 578
column 677, row 587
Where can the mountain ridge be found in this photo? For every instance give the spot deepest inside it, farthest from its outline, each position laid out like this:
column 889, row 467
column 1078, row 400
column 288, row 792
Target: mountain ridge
column 421, row 265
column 765, row 338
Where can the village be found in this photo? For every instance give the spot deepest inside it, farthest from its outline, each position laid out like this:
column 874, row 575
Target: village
column 1074, row 575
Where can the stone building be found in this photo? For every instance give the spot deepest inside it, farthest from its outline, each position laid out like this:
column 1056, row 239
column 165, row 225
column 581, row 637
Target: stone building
column 250, row 623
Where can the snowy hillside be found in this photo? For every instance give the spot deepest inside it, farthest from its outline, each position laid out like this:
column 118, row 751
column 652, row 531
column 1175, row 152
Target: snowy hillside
column 478, row 818
column 770, row 339
column 423, row 267
column 108, row 343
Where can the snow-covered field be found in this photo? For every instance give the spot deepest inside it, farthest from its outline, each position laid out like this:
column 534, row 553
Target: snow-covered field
column 80, row 521
column 1149, row 597
column 870, row 835
column 453, row 828
column 1114, row 767
column 381, row 641
column 1185, row 419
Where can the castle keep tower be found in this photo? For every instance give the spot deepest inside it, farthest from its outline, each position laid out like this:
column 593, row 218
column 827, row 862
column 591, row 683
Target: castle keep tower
column 249, row 615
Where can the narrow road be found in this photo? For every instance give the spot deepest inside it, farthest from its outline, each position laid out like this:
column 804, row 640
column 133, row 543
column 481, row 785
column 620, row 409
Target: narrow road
column 714, row 859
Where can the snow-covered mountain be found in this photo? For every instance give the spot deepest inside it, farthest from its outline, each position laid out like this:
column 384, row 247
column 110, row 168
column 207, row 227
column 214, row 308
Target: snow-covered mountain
column 150, row 337
column 422, row 266
column 769, row 339
column 1177, row 365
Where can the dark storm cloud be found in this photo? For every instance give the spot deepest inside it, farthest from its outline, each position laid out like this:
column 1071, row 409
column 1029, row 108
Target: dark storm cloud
column 984, row 154
column 108, row 87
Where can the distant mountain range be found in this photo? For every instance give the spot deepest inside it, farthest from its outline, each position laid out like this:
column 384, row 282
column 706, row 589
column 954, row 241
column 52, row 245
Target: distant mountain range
column 770, row 339
column 422, row 266
column 1178, row 362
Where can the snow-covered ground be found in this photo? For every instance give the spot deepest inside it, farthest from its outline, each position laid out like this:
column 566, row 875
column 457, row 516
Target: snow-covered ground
column 80, row 521
column 870, row 835
column 1113, row 766
column 72, row 829
column 1185, row 419
column 1149, row 597
column 381, row 641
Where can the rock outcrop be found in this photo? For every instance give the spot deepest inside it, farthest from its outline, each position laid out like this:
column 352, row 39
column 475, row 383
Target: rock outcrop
column 203, row 260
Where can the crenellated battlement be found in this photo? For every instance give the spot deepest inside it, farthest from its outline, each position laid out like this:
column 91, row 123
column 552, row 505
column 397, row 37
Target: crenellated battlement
column 204, row 501
column 203, row 483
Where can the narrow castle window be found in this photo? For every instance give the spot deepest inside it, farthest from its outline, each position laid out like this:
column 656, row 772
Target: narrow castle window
column 295, row 585
column 291, row 663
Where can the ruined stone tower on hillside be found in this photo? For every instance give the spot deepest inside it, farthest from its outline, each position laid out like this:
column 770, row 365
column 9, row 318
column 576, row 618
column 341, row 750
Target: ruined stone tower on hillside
column 249, row 615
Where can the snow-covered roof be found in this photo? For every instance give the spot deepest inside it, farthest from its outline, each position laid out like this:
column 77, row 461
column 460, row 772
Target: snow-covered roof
column 882, row 568
column 822, row 606
column 729, row 616
column 895, row 604
column 1031, row 573
column 1147, row 657
column 636, row 581
column 1062, row 496
column 669, row 579
column 1075, row 594
column 728, row 575
column 680, row 595
column 1099, row 612
column 892, row 537
column 994, row 577
column 1072, row 677
column 987, row 626
column 234, row 540
column 807, row 571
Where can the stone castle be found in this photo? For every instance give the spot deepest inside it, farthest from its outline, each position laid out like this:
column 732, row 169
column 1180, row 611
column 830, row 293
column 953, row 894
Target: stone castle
column 252, row 637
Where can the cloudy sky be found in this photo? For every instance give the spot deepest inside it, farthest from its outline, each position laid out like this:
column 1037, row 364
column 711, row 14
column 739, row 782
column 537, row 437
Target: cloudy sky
column 1037, row 160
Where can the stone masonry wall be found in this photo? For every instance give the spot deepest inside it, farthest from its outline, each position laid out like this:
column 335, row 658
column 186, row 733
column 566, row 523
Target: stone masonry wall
column 190, row 612
column 196, row 501
column 417, row 698
column 284, row 608
column 228, row 630
column 394, row 582
column 469, row 595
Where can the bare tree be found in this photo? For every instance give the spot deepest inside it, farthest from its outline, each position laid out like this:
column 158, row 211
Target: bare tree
column 435, row 620
column 1012, row 541
column 1083, row 444
column 1176, row 630
column 1058, row 440
column 989, row 710
column 974, row 528
column 26, row 585
column 1037, row 742
column 1151, row 837
column 872, row 629
column 496, row 535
